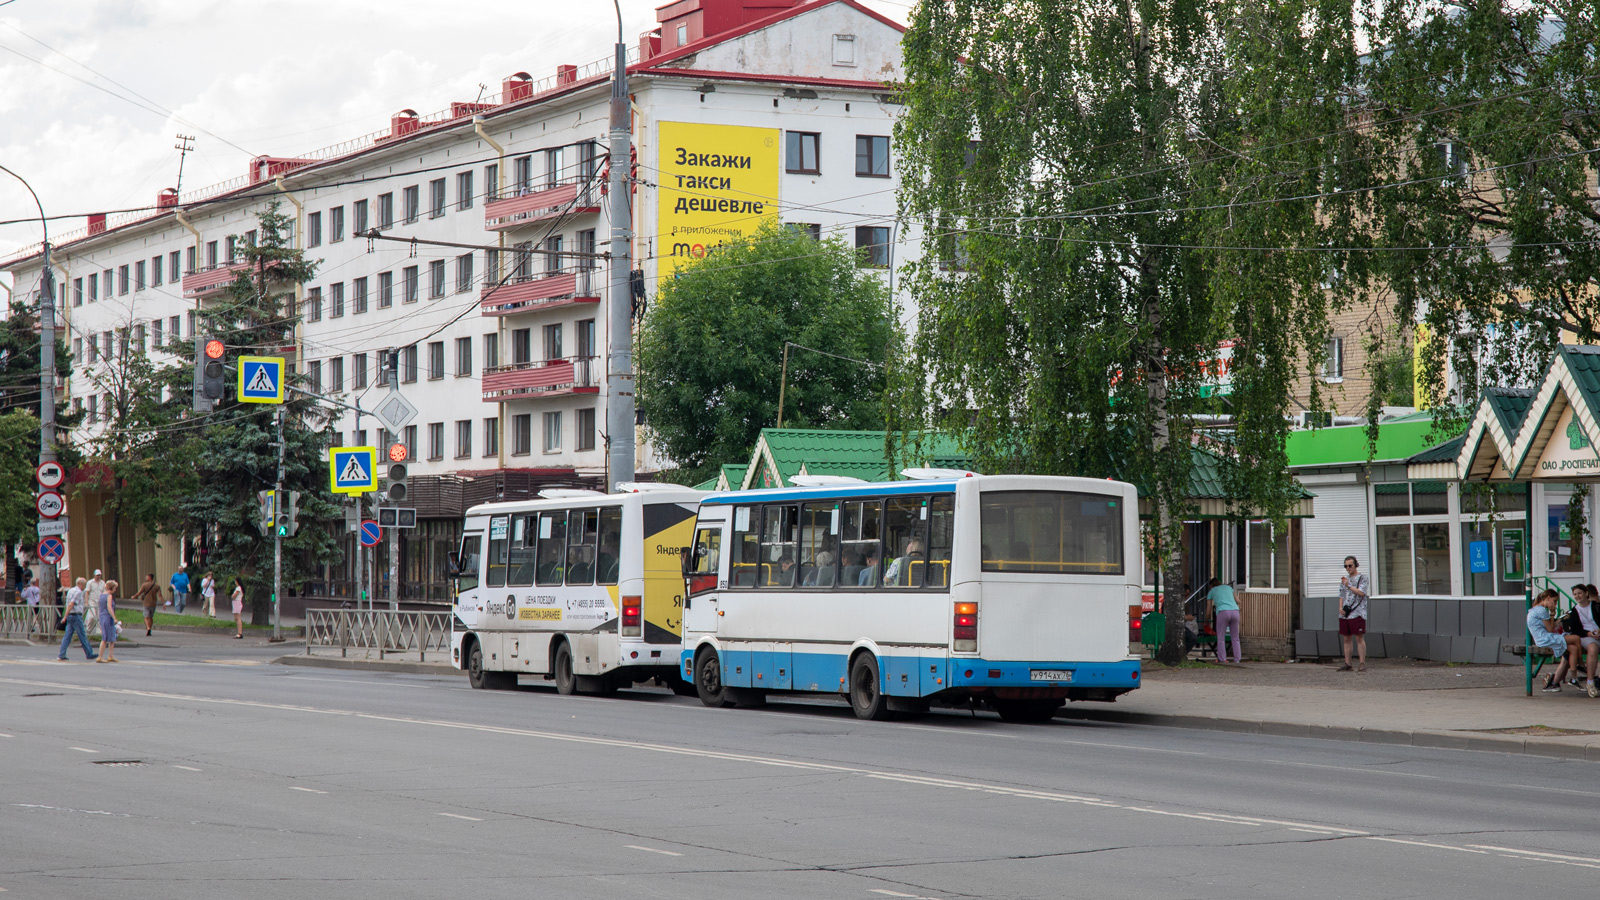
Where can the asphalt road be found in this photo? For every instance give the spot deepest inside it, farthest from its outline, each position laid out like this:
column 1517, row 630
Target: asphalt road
column 179, row 777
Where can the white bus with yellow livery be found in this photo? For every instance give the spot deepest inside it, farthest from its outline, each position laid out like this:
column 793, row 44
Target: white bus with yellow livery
column 580, row 588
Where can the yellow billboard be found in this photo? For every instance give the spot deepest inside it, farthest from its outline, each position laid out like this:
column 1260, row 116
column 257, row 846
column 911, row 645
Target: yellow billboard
column 718, row 184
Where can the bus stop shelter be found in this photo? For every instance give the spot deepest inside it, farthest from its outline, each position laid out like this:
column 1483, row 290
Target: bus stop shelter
column 1520, row 437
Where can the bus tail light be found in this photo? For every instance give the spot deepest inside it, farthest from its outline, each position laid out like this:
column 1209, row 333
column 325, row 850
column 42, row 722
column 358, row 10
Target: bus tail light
column 631, row 619
column 966, row 630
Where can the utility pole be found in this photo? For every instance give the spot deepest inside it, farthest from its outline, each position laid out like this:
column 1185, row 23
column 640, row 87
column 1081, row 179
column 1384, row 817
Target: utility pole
column 620, row 437
column 394, row 533
column 277, row 542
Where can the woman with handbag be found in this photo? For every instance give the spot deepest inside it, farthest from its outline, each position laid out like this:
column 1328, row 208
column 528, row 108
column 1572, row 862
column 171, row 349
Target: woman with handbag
column 108, row 623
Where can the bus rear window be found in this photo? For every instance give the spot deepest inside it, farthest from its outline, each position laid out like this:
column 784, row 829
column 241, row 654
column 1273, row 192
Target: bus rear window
column 1051, row 532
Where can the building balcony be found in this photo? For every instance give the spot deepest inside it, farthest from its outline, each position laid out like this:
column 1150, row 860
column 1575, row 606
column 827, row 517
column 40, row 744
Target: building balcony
column 526, row 206
column 212, row 280
column 550, row 378
column 541, row 290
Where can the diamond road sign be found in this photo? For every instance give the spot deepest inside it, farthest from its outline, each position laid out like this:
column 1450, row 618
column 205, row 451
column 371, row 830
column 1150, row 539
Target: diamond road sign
column 261, row 379
column 353, row 470
column 395, row 411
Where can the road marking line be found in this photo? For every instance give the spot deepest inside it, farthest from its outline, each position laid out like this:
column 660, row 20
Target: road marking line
column 4, row 735
column 651, row 850
column 891, row 893
column 1560, row 856
column 186, row 768
column 83, row 750
column 454, row 816
column 1390, row 840
column 307, row 790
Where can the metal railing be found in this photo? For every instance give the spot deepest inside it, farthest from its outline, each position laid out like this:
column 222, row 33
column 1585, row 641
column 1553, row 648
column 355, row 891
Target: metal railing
column 380, row 630
column 18, row 621
column 583, row 371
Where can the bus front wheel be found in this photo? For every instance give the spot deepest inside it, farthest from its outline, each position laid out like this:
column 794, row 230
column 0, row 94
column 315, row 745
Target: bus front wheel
column 865, row 697
column 708, row 679
column 566, row 682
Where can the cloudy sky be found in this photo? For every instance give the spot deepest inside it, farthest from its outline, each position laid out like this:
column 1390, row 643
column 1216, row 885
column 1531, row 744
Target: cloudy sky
column 92, row 92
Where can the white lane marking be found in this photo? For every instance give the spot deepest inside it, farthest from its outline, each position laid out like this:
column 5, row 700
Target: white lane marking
column 1558, row 856
column 83, row 750
column 888, row 893
column 454, row 816
column 87, row 812
column 307, row 790
column 4, row 735
column 1390, row 840
column 186, row 768
column 651, row 850
column 700, row 753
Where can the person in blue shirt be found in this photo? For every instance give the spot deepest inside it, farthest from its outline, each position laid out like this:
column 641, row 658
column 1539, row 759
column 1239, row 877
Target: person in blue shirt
column 1227, row 610
column 1547, row 631
column 180, row 590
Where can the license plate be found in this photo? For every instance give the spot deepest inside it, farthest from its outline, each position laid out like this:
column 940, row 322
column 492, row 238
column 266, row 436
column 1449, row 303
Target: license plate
column 1051, row 675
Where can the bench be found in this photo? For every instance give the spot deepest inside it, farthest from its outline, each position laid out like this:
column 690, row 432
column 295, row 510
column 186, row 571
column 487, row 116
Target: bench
column 1540, row 655
column 1153, row 630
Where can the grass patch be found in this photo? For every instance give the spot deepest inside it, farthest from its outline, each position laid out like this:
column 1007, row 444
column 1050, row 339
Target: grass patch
column 131, row 617
column 1537, row 731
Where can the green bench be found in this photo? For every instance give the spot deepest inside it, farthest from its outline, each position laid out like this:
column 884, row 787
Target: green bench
column 1153, row 630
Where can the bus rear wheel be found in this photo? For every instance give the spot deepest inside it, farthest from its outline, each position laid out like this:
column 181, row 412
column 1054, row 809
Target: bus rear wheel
column 1027, row 711
column 708, row 679
column 865, row 697
column 566, row 682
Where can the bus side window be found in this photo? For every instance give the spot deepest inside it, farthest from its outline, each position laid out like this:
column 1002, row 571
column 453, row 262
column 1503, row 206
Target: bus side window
column 551, row 539
column 703, row 563
column 819, row 554
column 905, row 550
column 860, row 561
column 941, row 537
column 469, row 562
column 583, row 528
column 609, row 559
column 520, row 569
column 499, row 538
column 779, row 546
column 746, row 559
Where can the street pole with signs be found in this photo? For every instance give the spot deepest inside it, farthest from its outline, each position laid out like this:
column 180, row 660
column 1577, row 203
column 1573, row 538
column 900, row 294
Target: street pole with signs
column 277, row 545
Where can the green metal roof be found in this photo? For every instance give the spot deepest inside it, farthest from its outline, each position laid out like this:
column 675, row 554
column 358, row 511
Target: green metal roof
column 1584, row 363
column 1440, row 453
column 1348, row 444
column 1510, row 406
column 854, row 454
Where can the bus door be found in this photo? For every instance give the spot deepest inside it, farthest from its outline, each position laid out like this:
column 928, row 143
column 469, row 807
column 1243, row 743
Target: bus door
column 700, row 578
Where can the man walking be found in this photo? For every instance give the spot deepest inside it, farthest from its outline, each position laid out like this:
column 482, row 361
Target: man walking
column 74, row 623
column 1353, row 590
column 180, row 590
column 91, row 599
column 30, row 594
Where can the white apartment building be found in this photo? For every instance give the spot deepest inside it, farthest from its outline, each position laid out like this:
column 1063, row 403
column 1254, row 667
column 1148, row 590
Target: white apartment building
column 744, row 111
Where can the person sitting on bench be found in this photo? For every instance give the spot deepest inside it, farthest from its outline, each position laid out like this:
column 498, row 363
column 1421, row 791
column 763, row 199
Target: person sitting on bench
column 1583, row 635
column 1547, row 632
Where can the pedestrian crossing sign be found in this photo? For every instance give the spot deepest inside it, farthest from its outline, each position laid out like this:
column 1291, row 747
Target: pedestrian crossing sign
column 353, row 470
column 260, row 379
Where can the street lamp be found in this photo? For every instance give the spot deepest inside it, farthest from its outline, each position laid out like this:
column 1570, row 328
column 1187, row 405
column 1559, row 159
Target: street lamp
column 47, row 366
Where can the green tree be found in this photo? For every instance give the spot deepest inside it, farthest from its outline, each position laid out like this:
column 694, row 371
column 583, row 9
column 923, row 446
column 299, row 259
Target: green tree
column 19, row 370
column 1066, row 162
column 710, row 350
column 19, row 454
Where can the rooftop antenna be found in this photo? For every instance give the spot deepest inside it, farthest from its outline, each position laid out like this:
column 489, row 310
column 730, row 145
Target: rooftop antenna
column 184, row 145
column 481, row 88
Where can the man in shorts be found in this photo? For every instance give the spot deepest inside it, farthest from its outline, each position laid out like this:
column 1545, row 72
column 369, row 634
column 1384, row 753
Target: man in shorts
column 1353, row 590
column 1583, row 634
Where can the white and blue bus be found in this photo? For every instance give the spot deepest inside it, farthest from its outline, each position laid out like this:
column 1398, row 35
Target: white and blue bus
column 1005, row 591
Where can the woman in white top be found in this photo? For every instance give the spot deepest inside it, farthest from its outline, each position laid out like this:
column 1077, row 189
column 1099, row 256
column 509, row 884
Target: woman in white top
column 208, row 590
column 238, row 608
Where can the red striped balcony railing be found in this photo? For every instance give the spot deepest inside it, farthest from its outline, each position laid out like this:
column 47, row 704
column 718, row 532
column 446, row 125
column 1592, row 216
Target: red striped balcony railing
column 543, row 290
column 550, row 378
column 213, row 280
column 578, row 195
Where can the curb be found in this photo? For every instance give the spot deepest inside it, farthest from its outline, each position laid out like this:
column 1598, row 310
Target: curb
column 1444, row 740
column 369, row 665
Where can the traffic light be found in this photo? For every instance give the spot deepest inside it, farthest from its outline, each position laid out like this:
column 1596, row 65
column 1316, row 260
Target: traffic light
column 269, row 511
column 294, row 513
column 397, row 473
column 212, row 369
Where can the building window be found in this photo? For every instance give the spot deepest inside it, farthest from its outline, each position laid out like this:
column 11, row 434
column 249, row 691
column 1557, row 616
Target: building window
column 491, row 436
column 408, row 364
column 230, row 246
column 584, row 438
column 138, row 275
column 93, row 408
column 552, row 342
column 844, row 50
column 408, row 277
column 584, row 329
column 94, row 286
column 1413, row 557
column 872, row 246
column 491, row 351
column 358, row 375
column 105, row 346
column 336, row 225
column 435, row 360
column 314, row 230
column 552, row 432
column 464, row 190
column 463, row 438
column 336, row 374
column 436, row 198
column 358, row 213
column 491, row 183
column 358, row 292
column 385, row 290
column 191, row 326
column 138, row 338
column 436, row 440
column 386, row 210
column 211, row 254
column 436, row 278
column 172, row 265
column 77, row 349
column 800, row 152
column 522, row 434
column 314, row 305
column 156, row 343
column 155, row 271
column 77, row 291
column 683, row 34
column 410, row 440
column 521, row 346
column 1267, row 563
column 412, row 198
column 872, row 156
column 522, row 174
column 172, row 326
column 336, row 300
column 314, row 375
column 1333, row 360
column 122, row 280
column 811, row 230
column 360, row 437
column 552, row 259
column 94, row 351
column 463, row 356
column 552, row 167
column 463, row 273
